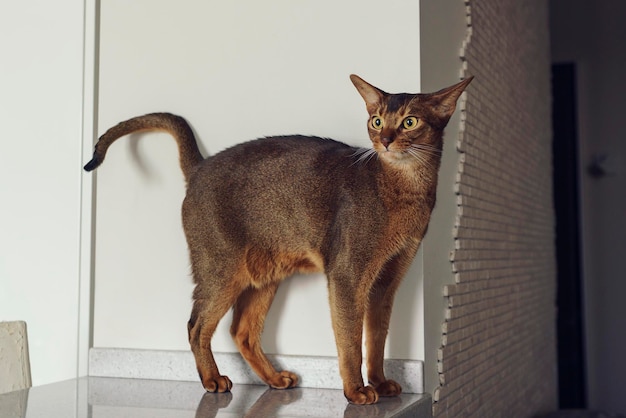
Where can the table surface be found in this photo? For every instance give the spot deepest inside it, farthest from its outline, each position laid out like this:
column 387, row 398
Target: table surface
column 98, row 397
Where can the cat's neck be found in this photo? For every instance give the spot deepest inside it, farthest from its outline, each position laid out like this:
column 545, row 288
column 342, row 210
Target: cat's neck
column 409, row 185
column 416, row 175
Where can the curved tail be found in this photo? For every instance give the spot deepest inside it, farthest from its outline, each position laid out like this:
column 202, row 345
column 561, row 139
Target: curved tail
column 175, row 125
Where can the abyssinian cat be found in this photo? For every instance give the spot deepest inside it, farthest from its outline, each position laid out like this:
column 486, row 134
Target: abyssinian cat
column 265, row 209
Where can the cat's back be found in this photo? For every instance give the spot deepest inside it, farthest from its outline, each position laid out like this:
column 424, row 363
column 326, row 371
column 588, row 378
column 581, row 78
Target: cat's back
column 282, row 158
column 278, row 177
column 277, row 148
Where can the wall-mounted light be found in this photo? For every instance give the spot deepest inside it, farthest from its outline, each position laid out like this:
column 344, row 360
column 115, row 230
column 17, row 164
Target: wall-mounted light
column 602, row 165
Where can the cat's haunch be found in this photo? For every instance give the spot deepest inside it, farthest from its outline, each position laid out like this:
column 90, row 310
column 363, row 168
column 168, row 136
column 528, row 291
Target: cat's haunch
column 266, row 209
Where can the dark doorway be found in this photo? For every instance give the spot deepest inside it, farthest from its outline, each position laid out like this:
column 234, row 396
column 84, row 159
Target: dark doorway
column 570, row 325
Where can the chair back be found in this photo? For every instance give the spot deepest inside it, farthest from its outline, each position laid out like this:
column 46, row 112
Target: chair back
column 14, row 359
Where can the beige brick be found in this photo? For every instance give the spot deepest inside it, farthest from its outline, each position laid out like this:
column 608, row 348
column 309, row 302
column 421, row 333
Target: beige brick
column 498, row 342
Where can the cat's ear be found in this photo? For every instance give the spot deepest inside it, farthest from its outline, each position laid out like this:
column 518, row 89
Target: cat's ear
column 444, row 100
column 373, row 96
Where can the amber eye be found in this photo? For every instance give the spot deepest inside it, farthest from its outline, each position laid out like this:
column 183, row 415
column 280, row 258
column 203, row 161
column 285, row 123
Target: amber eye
column 410, row 123
column 377, row 123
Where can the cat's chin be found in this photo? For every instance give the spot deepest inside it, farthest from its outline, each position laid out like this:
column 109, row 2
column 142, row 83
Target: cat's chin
column 394, row 157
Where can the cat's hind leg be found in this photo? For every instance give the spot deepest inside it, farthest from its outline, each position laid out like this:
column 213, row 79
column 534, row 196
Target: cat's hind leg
column 207, row 311
column 248, row 319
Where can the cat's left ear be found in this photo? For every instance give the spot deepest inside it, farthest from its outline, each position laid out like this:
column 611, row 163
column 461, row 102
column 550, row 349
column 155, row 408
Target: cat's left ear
column 444, row 101
column 373, row 96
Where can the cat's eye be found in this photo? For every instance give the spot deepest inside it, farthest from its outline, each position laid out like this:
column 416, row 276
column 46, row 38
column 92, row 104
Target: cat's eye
column 377, row 123
column 410, row 123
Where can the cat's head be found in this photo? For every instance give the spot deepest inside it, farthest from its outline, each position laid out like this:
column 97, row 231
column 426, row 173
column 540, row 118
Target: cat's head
column 406, row 127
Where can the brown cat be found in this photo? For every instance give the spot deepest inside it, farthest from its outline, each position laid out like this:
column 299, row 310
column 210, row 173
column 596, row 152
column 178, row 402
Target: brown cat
column 263, row 210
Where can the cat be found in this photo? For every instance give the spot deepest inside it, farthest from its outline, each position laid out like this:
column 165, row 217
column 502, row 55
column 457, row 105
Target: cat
column 263, row 210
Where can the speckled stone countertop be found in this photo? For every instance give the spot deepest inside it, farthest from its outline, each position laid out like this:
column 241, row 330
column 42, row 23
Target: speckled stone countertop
column 99, row 397
column 313, row 372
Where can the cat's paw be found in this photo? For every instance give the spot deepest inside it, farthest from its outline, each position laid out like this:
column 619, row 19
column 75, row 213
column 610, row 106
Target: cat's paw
column 362, row 396
column 218, row 384
column 388, row 388
column 283, row 380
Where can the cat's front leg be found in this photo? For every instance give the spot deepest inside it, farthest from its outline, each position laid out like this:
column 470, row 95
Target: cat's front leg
column 347, row 304
column 377, row 317
column 377, row 324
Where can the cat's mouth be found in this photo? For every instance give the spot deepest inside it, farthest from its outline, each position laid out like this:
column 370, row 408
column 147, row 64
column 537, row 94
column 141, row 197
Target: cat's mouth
column 413, row 153
column 391, row 153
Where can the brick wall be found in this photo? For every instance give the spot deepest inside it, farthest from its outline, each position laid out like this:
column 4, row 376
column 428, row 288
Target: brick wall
column 498, row 346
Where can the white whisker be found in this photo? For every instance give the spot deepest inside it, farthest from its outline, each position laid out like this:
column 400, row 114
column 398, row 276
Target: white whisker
column 364, row 155
column 427, row 149
column 422, row 153
column 416, row 155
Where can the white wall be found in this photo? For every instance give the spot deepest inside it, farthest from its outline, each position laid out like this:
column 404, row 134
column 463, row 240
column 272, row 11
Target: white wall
column 592, row 34
column 236, row 72
column 41, row 105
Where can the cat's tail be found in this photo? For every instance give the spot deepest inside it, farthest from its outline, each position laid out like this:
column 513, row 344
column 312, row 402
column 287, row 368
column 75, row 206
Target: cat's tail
column 175, row 125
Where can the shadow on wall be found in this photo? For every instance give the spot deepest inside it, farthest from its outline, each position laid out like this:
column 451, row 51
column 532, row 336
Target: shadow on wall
column 402, row 341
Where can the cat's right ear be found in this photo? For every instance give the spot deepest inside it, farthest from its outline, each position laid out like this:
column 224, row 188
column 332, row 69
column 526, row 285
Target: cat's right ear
column 373, row 96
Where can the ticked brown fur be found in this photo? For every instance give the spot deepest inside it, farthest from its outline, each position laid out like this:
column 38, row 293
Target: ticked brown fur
column 263, row 210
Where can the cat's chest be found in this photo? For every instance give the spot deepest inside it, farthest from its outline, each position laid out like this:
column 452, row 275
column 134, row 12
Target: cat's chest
column 407, row 222
column 408, row 206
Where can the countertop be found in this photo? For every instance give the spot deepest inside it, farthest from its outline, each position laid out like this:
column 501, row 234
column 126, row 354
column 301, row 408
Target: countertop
column 99, row 397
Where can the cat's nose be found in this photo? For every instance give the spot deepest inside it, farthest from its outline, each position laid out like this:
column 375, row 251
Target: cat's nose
column 386, row 142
